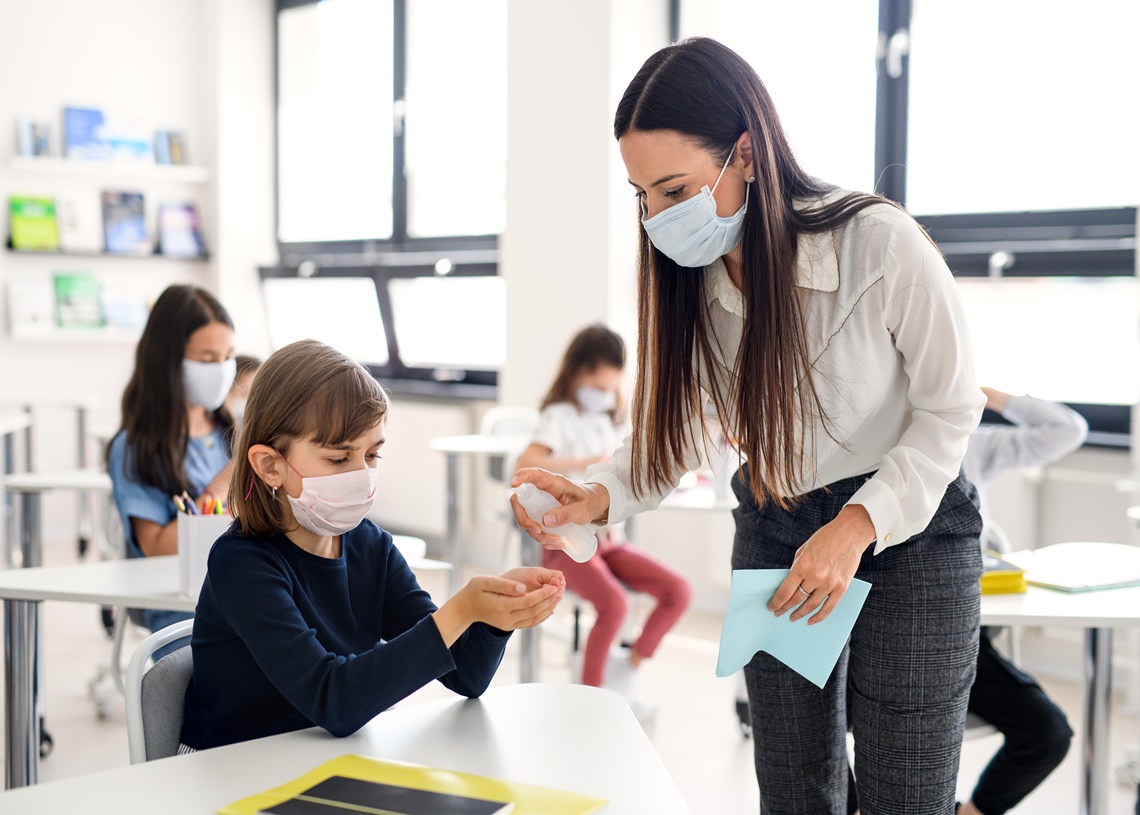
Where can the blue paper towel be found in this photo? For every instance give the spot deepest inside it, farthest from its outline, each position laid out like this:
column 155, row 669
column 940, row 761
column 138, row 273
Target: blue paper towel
column 749, row 626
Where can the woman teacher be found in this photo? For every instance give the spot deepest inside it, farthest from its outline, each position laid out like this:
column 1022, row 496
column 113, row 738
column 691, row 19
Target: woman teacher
column 823, row 327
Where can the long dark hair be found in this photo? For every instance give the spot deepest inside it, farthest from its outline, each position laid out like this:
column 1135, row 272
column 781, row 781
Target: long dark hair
column 591, row 347
column 704, row 90
column 154, row 403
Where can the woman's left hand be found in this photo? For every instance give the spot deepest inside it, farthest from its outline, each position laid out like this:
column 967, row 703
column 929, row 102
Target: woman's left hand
column 824, row 566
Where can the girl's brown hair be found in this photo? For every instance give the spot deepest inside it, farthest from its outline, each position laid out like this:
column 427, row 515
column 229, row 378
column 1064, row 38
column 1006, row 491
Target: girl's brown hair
column 704, row 90
column 304, row 390
column 593, row 346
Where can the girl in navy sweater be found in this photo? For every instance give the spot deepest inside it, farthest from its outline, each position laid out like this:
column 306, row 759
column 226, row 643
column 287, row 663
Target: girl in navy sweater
column 308, row 614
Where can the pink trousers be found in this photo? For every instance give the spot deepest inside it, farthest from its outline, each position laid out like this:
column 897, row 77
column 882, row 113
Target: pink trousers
column 599, row 580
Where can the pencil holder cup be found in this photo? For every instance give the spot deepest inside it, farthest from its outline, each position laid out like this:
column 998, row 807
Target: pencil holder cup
column 196, row 534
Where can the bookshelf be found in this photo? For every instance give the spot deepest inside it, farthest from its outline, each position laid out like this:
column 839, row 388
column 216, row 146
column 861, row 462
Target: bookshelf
column 128, row 282
column 113, row 171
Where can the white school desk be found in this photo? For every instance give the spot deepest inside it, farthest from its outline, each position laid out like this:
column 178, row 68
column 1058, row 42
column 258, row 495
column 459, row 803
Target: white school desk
column 570, row 737
column 1098, row 613
column 82, row 405
column 455, row 447
column 31, row 486
column 150, row 582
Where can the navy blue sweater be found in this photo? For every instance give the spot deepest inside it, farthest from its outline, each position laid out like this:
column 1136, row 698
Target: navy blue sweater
column 284, row 639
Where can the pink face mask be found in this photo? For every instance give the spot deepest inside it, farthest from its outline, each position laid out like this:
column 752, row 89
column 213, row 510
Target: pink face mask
column 331, row 505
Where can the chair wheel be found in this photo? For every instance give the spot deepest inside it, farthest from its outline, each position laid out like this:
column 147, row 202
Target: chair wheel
column 47, row 743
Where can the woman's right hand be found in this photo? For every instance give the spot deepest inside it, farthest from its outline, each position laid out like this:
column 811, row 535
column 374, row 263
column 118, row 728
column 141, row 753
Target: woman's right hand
column 581, row 503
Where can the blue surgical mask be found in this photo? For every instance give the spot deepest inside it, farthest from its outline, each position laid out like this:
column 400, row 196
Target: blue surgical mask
column 595, row 400
column 691, row 233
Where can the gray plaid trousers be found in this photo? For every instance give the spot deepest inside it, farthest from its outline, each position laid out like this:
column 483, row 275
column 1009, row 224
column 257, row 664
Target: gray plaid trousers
column 905, row 674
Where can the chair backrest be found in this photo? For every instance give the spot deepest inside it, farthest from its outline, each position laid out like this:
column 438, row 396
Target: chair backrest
column 155, row 698
column 507, row 420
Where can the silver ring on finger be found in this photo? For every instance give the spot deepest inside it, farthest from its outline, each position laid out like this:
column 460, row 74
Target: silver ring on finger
column 801, row 588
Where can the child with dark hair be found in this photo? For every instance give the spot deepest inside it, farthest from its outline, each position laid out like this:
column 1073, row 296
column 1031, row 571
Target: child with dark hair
column 176, row 433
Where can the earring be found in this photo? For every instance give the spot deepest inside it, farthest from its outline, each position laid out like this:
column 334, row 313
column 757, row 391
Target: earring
column 751, row 178
column 273, row 490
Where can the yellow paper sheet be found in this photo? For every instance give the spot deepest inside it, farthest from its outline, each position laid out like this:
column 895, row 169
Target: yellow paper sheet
column 527, row 798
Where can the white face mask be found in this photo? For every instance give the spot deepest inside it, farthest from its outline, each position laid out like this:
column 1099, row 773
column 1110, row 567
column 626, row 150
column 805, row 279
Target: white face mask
column 595, row 400
column 330, row 505
column 208, row 383
column 691, row 233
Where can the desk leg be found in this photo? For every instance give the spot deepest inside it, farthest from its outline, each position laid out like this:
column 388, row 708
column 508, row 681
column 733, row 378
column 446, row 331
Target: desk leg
column 85, row 518
column 31, row 547
column 1094, row 732
column 452, row 542
column 528, row 637
column 9, row 504
column 22, row 732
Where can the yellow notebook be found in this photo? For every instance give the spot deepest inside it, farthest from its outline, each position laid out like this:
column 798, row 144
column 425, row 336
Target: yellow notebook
column 999, row 576
column 355, row 784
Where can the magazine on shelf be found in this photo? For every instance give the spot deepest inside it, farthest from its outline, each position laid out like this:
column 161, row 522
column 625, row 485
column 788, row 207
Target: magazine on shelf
column 80, row 223
column 179, row 232
column 84, row 134
column 35, row 138
column 124, row 223
column 169, row 147
column 78, row 301
column 32, row 225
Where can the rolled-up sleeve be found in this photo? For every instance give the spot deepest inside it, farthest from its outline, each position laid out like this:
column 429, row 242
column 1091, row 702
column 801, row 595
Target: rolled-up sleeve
column 926, row 322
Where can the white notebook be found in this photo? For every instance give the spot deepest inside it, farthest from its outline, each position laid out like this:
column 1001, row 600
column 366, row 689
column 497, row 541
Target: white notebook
column 1080, row 566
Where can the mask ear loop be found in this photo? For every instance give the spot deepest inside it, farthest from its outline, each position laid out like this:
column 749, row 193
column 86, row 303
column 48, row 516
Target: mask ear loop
column 249, row 492
column 727, row 161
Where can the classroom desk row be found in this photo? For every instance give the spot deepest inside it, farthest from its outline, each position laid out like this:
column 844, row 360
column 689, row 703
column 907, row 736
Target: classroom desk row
column 569, row 737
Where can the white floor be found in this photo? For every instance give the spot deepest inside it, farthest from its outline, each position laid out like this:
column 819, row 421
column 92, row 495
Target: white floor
column 696, row 732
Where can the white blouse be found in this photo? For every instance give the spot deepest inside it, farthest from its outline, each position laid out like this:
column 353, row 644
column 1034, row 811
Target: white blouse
column 893, row 370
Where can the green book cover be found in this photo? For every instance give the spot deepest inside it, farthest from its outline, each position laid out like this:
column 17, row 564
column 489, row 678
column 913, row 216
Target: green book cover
column 78, row 302
column 32, row 223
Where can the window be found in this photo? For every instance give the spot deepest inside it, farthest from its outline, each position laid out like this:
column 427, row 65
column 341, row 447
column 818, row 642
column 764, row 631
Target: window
column 391, row 126
column 399, row 321
column 334, row 122
column 826, row 96
column 1013, row 109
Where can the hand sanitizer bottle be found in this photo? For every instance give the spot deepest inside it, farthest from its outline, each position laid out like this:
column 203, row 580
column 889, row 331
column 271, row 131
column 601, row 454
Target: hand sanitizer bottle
column 579, row 541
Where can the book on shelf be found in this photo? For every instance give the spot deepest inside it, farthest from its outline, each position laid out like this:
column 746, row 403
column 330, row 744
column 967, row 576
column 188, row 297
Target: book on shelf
column 32, row 224
column 31, row 306
column 124, row 223
column 35, row 138
column 999, row 576
column 179, row 231
column 364, row 785
column 169, row 147
column 128, row 141
column 78, row 300
column 84, row 134
column 80, row 223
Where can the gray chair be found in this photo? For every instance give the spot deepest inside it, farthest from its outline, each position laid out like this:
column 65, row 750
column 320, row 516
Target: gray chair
column 155, row 697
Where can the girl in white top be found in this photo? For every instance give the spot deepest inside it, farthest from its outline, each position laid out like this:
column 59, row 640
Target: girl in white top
column 583, row 421
column 824, row 328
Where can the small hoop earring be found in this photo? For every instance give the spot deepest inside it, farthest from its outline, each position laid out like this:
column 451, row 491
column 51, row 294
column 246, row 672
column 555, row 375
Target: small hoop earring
column 274, row 491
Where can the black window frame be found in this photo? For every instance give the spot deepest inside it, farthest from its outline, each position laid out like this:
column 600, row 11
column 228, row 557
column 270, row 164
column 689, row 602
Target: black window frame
column 367, row 251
